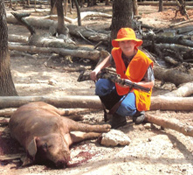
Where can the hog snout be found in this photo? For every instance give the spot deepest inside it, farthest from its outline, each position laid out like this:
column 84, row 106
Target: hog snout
column 61, row 164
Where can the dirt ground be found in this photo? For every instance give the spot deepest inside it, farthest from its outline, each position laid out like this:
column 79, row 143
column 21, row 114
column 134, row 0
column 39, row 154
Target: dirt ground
column 152, row 150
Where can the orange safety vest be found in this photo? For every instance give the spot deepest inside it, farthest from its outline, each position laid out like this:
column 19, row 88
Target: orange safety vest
column 135, row 72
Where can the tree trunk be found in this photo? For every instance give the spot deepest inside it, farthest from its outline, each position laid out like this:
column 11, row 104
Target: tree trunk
column 78, row 12
column 52, row 7
column 160, row 5
column 61, row 29
column 135, row 7
column 7, row 87
column 122, row 16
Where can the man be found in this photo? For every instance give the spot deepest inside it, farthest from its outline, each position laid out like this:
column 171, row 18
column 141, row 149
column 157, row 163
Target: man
column 132, row 64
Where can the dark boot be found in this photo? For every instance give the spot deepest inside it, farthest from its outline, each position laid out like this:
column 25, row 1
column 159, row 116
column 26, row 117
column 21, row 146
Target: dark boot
column 111, row 99
column 118, row 121
column 139, row 117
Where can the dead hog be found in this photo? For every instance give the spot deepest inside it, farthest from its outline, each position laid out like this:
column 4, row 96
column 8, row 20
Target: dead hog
column 46, row 136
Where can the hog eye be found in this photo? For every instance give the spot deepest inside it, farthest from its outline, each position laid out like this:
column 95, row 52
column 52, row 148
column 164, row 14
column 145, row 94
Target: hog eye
column 45, row 146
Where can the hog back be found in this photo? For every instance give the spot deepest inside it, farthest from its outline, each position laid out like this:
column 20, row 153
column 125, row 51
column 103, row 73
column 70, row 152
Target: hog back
column 34, row 119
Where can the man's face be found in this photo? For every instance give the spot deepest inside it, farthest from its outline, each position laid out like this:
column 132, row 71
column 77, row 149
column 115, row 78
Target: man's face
column 128, row 47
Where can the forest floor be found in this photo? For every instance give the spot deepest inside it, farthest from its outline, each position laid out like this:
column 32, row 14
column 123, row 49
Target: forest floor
column 153, row 150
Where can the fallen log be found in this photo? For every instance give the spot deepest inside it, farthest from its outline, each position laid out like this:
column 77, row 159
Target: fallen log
column 18, row 38
column 93, row 102
column 168, row 3
column 174, row 47
column 180, row 40
column 89, row 33
column 184, row 90
column 7, row 112
column 171, row 75
column 73, row 29
column 171, row 103
column 83, row 15
column 170, row 123
column 59, row 102
column 35, row 22
column 91, row 54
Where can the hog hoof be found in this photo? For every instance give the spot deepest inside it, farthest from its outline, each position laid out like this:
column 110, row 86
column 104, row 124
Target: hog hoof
column 107, row 127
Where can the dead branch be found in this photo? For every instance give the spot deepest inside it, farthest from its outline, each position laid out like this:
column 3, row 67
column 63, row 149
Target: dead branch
column 181, row 23
column 171, row 124
column 21, row 19
column 11, row 156
column 4, row 122
column 18, row 38
column 7, row 112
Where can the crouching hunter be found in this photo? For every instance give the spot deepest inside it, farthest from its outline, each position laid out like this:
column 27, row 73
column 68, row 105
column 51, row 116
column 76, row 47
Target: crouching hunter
column 131, row 63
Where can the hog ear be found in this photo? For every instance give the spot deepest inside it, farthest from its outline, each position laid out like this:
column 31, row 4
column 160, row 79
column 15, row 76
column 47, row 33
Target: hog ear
column 31, row 152
column 32, row 148
column 26, row 161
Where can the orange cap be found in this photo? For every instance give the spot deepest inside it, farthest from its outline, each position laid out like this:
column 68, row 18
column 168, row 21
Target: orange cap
column 126, row 34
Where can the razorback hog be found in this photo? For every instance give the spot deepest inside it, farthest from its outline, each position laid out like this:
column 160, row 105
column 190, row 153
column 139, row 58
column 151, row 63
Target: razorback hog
column 46, row 135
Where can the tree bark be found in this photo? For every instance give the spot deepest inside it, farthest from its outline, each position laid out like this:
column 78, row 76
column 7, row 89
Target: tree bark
column 122, row 16
column 171, row 124
column 7, row 87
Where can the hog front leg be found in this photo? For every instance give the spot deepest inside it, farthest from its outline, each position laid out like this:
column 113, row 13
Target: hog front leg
column 77, row 136
column 76, row 126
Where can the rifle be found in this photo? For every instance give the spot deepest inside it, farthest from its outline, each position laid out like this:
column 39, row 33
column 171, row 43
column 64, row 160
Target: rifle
column 114, row 77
